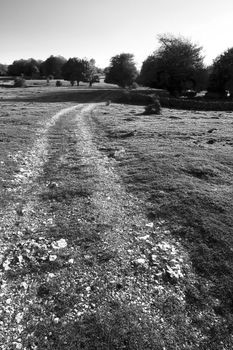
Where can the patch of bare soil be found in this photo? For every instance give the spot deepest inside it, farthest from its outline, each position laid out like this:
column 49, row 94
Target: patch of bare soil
column 87, row 258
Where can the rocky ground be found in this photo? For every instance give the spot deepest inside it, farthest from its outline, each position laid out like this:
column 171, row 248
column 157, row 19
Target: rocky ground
column 82, row 265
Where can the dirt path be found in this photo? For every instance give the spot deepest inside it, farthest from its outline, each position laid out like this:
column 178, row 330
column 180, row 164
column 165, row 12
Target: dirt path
column 82, row 268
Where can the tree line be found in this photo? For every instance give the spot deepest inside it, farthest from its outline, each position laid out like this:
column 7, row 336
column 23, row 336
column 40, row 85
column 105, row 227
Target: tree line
column 177, row 65
column 54, row 67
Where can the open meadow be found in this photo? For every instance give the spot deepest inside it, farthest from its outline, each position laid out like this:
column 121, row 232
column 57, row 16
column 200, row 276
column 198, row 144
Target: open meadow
column 116, row 227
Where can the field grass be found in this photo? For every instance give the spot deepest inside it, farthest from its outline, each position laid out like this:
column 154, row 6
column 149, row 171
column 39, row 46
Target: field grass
column 180, row 164
column 172, row 171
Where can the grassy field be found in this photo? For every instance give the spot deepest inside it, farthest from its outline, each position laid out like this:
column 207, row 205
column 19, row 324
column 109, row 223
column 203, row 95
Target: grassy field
column 144, row 204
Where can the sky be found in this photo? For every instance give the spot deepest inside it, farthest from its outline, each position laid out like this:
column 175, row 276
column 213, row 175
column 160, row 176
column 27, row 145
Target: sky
column 100, row 29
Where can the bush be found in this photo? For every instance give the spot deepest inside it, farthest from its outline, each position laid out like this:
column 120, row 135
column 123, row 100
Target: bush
column 20, row 82
column 134, row 86
column 136, row 98
column 154, row 108
column 198, row 105
column 58, row 83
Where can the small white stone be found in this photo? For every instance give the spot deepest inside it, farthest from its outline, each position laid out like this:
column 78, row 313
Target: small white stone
column 18, row 317
column 6, row 265
column 51, row 275
column 150, row 224
column 52, row 257
column 71, row 261
column 144, row 238
column 140, row 261
column 61, row 243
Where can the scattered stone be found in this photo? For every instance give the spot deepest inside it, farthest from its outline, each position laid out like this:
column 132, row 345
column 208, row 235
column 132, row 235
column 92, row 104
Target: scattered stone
column 144, row 238
column 19, row 317
column 60, row 244
column 87, row 257
column 154, row 257
column 120, row 154
column 140, row 261
column 150, row 224
column 24, row 285
column 52, row 257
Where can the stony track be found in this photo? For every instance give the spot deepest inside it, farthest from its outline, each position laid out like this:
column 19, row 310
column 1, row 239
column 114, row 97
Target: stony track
column 81, row 266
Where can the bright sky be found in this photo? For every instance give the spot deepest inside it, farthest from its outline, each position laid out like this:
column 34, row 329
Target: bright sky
column 100, row 29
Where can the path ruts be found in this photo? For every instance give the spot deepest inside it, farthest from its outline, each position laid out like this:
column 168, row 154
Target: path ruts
column 106, row 283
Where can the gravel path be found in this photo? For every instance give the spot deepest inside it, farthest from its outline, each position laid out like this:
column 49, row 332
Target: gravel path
column 80, row 263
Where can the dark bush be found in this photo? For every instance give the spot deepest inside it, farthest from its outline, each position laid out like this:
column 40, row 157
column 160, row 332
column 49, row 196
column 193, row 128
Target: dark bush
column 58, row 83
column 130, row 97
column 134, row 86
column 154, row 108
column 20, row 82
column 198, row 105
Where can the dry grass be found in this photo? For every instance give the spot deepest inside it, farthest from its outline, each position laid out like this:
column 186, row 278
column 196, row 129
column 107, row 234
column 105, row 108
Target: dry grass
column 186, row 180
column 173, row 170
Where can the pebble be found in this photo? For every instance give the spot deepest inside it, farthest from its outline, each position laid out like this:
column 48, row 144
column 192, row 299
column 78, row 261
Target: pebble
column 140, row 261
column 144, row 238
column 52, row 257
column 61, row 243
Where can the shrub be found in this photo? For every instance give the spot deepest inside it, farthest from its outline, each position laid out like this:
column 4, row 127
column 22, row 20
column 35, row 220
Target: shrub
column 58, row 83
column 198, row 105
column 136, row 98
column 20, row 82
column 134, row 86
column 154, row 108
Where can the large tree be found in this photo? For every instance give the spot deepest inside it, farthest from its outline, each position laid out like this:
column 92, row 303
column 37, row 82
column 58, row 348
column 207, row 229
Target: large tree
column 52, row 66
column 29, row 68
column 73, row 70
column 90, row 71
column 221, row 77
column 122, row 70
column 76, row 69
column 176, row 65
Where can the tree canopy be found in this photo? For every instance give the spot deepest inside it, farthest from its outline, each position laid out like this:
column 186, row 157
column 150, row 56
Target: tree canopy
column 72, row 70
column 52, row 66
column 176, row 65
column 28, row 68
column 76, row 69
column 221, row 77
column 122, row 70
